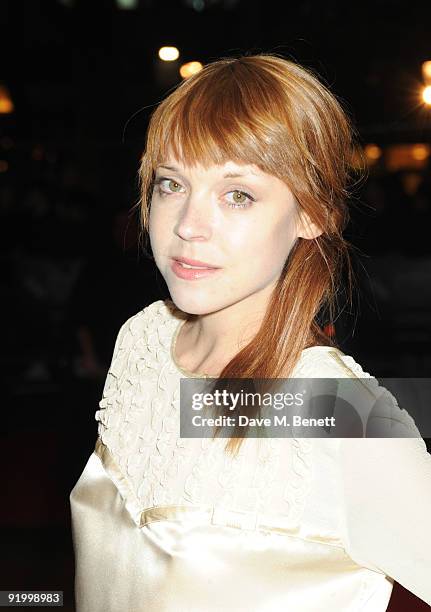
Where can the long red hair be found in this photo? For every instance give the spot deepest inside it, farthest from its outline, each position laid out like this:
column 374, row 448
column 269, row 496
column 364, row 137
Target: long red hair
column 265, row 110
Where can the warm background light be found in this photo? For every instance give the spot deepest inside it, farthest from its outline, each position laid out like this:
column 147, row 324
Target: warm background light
column 189, row 69
column 6, row 104
column 420, row 151
column 373, row 152
column 168, row 54
column 426, row 94
column 408, row 156
column 426, row 71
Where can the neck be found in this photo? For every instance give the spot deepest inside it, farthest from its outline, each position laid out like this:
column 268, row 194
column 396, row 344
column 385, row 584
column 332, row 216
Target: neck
column 206, row 343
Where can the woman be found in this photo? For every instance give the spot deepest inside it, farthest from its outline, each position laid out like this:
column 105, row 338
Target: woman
column 246, row 173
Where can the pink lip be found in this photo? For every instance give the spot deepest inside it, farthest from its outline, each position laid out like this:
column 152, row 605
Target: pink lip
column 194, row 262
column 190, row 273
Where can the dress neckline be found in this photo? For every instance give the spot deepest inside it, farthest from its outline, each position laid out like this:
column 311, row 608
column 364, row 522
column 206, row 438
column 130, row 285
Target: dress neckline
column 190, row 374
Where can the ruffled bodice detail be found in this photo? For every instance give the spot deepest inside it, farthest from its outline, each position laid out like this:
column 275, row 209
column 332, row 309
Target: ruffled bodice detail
column 139, row 423
column 176, row 524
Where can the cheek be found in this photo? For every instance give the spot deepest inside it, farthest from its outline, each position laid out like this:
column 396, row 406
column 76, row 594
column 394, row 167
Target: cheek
column 284, row 236
column 155, row 226
column 157, row 238
column 267, row 243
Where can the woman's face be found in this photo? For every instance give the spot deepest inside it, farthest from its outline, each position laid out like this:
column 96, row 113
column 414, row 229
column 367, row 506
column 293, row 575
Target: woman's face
column 244, row 225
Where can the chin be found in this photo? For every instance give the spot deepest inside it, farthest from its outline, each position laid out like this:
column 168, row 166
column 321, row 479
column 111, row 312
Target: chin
column 194, row 303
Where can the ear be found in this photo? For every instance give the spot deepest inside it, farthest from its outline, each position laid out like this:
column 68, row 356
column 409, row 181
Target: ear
column 306, row 228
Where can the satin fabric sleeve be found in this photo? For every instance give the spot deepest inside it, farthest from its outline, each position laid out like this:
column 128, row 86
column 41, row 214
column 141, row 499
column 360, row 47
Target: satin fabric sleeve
column 386, row 492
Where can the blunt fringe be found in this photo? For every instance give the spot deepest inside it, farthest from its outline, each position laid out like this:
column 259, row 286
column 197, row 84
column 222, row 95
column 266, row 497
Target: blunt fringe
column 266, row 110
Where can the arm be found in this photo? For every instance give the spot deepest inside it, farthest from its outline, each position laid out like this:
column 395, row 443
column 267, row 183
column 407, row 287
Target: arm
column 386, row 492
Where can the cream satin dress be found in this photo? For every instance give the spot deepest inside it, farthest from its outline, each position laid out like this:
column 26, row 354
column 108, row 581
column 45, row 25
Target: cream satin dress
column 169, row 524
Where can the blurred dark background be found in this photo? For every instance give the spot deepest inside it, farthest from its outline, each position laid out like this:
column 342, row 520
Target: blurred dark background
column 77, row 83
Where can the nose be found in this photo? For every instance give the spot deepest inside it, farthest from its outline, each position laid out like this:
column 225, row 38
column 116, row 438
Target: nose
column 196, row 218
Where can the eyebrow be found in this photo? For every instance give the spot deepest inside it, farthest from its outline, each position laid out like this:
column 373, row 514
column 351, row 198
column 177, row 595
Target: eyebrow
column 227, row 175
